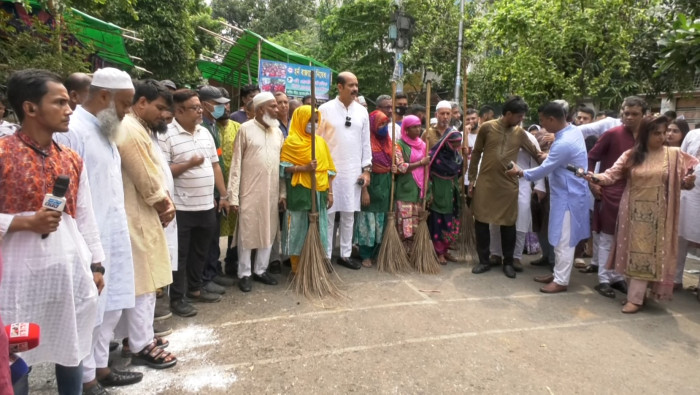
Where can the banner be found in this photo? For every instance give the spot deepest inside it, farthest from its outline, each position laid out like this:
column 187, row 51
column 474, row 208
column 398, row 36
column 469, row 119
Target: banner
column 293, row 79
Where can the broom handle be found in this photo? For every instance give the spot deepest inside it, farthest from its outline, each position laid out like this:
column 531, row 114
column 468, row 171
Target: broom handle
column 465, row 140
column 393, row 139
column 426, row 172
column 313, row 140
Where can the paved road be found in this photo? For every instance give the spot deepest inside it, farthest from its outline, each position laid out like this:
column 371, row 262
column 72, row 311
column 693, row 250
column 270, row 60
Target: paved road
column 451, row 333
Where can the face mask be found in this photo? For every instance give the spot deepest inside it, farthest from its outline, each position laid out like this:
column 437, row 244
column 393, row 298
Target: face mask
column 219, row 110
column 383, row 131
column 401, row 110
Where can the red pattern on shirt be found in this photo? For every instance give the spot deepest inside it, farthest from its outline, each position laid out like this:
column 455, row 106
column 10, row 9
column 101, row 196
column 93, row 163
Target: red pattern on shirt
column 26, row 175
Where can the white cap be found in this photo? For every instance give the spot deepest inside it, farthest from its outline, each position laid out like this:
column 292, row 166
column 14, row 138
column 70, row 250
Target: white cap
column 111, row 78
column 443, row 104
column 262, row 97
column 433, row 121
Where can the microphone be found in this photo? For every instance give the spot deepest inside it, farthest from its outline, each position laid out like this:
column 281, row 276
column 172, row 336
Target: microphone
column 56, row 200
column 579, row 172
column 22, row 336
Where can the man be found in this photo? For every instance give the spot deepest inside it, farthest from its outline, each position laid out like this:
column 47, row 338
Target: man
column 6, row 128
column 77, row 85
column 607, row 150
column 443, row 113
column 191, row 153
column 306, row 100
column 584, row 116
column 293, row 105
column 362, row 101
column 283, row 112
column 599, row 127
column 568, row 219
column 486, row 113
column 384, row 105
column 401, row 108
column 688, row 231
column 169, row 85
column 213, row 109
column 345, row 127
column 671, row 115
column 255, row 189
column 456, row 120
column 147, row 191
column 419, row 111
column 495, row 197
column 92, row 132
column 247, row 93
column 53, row 281
column 473, row 119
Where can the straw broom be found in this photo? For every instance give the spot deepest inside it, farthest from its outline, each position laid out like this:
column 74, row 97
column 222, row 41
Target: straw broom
column 423, row 258
column 312, row 277
column 392, row 254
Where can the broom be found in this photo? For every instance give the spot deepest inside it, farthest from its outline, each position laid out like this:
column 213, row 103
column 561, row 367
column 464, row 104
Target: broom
column 423, row 258
column 466, row 239
column 392, row 254
column 312, row 277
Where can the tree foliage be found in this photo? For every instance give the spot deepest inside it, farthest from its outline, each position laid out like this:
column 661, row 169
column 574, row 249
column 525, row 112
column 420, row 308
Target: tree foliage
column 268, row 17
column 680, row 51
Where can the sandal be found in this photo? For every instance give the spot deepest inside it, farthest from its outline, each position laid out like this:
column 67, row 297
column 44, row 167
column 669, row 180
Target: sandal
column 367, row 263
column 605, row 290
column 442, row 260
column 154, row 357
column 160, row 343
column 631, row 308
column 450, row 258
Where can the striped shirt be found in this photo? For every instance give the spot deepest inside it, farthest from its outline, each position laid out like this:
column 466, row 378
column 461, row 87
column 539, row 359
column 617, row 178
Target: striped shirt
column 194, row 189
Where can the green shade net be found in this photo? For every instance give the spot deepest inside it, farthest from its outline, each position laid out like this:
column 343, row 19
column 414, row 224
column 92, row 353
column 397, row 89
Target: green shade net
column 240, row 65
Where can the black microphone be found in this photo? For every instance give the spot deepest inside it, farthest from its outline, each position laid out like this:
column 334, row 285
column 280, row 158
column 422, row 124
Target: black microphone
column 56, row 200
column 579, row 172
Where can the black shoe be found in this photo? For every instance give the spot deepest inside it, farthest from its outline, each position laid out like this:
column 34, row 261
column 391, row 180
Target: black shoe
column 620, row 286
column 96, row 389
column 287, row 263
column 589, row 269
column 544, row 261
column 117, row 378
column 509, row 271
column 224, row 281
column 182, row 308
column 265, row 278
column 349, row 263
column 518, row 266
column 214, row 288
column 605, row 290
column 481, row 268
column 245, row 284
column 114, row 345
column 203, row 297
column 495, row 260
column 275, row 267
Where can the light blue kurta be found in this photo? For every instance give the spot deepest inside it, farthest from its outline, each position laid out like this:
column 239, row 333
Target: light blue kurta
column 103, row 165
column 567, row 192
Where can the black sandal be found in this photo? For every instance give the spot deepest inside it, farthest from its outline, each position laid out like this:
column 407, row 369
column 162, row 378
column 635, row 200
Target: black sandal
column 117, row 378
column 160, row 343
column 606, row 290
column 154, row 357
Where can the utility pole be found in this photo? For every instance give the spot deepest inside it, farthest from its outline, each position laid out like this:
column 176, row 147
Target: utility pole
column 458, row 77
column 400, row 32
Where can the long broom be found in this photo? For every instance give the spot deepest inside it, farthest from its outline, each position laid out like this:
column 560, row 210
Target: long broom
column 424, row 259
column 312, row 278
column 392, row 254
column 466, row 239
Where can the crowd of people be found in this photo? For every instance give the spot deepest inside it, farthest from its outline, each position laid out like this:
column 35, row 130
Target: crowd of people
column 157, row 175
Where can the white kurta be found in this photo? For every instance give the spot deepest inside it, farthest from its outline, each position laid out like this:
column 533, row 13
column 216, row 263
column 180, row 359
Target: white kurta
column 690, row 200
column 350, row 149
column 171, row 229
column 255, row 185
column 48, row 282
column 526, row 161
column 103, row 164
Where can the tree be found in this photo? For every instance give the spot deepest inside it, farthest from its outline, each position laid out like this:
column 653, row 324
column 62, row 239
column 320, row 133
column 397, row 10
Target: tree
column 680, row 51
column 267, row 18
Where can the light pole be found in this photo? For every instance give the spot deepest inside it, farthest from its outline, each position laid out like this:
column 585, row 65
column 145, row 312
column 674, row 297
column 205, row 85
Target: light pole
column 400, row 31
column 458, row 77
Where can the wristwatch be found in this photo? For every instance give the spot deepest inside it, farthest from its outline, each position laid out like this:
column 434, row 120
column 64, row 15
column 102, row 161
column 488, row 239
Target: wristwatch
column 97, row 268
column 367, row 169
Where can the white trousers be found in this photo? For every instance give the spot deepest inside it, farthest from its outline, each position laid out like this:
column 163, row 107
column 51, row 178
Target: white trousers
column 139, row 322
column 262, row 260
column 602, row 246
column 347, row 220
column 680, row 263
column 564, row 253
column 101, row 336
column 496, row 248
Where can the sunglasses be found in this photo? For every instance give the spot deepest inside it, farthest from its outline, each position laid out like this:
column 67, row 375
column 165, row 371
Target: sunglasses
column 348, row 122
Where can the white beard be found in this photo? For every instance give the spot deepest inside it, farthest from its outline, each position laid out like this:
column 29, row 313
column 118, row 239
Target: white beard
column 109, row 122
column 270, row 121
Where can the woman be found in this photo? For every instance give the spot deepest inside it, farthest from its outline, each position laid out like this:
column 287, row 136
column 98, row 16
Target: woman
column 296, row 167
column 646, row 238
column 445, row 169
column 410, row 188
column 676, row 132
column 369, row 223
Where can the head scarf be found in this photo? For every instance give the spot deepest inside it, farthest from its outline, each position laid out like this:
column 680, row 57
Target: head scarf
column 417, row 149
column 297, row 151
column 446, row 162
column 381, row 146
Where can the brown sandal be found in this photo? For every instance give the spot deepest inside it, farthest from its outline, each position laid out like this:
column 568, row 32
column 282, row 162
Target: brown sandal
column 154, row 357
column 126, row 351
column 631, row 308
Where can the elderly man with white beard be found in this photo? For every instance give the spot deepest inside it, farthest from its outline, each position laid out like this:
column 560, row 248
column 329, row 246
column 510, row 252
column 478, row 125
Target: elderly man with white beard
column 92, row 133
column 255, row 189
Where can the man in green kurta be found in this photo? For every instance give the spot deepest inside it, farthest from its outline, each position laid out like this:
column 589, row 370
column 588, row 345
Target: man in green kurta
column 495, row 195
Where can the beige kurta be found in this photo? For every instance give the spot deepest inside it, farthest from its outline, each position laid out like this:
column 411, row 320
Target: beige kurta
column 495, row 199
column 144, row 187
column 254, row 183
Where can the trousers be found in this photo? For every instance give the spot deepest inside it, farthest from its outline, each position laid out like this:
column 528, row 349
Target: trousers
column 137, row 322
column 101, row 336
column 602, row 245
column 262, row 260
column 496, row 242
column 347, row 220
column 195, row 230
column 483, row 242
column 564, row 253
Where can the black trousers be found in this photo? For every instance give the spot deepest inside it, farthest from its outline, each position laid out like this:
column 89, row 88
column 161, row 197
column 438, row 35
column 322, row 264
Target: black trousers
column 213, row 267
column 483, row 242
column 195, row 230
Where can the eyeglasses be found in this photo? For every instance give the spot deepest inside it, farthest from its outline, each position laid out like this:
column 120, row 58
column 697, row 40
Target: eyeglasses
column 194, row 108
column 348, row 122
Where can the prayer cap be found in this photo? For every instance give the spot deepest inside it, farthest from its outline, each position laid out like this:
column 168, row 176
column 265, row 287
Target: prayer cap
column 111, row 78
column 443, row 104
column 208, row 92
column 262, row 97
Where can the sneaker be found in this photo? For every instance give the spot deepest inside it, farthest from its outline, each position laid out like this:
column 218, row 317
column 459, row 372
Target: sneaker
column 162, row 312
column 182, row 308
column 162, row 328
column 214, row 288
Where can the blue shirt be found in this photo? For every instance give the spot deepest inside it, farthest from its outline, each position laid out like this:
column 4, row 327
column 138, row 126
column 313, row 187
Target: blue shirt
column 567, row 191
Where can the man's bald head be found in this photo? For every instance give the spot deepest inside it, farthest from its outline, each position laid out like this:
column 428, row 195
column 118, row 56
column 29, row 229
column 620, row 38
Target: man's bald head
column 77, row 85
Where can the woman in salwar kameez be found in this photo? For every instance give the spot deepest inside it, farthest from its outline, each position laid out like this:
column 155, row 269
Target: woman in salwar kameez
column 296, row 168
column 445, row 169
column 370, row 221
column 410, row 167
column 646, row 238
